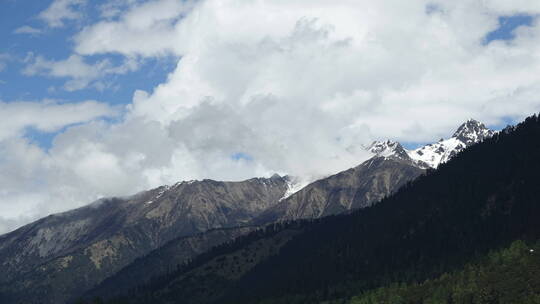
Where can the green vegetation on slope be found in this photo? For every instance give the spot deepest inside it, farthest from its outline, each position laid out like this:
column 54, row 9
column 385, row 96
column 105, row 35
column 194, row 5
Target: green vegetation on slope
column 509, row 276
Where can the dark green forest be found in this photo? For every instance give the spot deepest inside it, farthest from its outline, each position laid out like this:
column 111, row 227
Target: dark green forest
column 439, row 239
column 510, row 275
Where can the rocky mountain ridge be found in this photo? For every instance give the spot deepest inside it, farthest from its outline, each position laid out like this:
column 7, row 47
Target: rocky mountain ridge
column 432, row 155
column 93, row 242
column 75, row 250
column 390, row 167
column 356, row 188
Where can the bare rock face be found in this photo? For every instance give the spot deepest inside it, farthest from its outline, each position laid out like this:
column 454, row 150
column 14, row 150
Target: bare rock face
column 75, row 250
column 355, row 188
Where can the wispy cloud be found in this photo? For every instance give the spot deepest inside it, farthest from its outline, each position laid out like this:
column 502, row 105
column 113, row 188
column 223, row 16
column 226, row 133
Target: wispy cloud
column 3, row 59
column 80, row 74
column 62, row 10
column 26, row 29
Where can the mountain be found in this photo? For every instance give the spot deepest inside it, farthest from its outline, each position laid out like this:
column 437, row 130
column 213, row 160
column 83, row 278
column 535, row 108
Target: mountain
column 469, row 133
column 355, row 188
column 64, row 254
column 482, row 199
column 432, row 155
column 391, row 167
column 389, row 148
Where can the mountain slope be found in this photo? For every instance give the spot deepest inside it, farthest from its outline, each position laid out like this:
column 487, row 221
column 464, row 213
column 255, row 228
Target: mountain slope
column 64, row 254
column 166, row 259
column 391, row 167
column 482, row 199
column 510, row 276
column 355, row 188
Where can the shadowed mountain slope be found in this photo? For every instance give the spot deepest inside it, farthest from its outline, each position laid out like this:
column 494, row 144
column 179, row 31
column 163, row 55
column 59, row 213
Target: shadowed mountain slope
column 355, row 188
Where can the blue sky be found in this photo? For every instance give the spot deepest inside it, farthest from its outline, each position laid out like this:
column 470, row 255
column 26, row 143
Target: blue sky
column 57, row 44
column 507, row 26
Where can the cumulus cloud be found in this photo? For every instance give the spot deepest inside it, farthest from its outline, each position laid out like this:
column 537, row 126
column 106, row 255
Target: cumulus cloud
column 359, row 64
column 296, row 88
column 80, row 73
column 61, row 10
column 152, row 22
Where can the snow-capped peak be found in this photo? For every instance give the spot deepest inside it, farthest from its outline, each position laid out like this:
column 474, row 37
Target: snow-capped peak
column 472, row 131
column 387, row 148
column 432, row 155
column 469, row 133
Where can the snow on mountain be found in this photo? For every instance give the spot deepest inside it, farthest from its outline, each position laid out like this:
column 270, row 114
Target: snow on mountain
column 472, row 132
column 432, row 155
column 294, row 184
column 387, row 149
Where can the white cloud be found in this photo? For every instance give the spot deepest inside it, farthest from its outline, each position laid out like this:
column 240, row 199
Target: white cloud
column 359, row 64
column 61, row 10
column 503, row 7
column 33, row 182
column 80, row 73
column 26, row 29
column 114, row 8
column 46, row 116
column 297, row 87
column 151, row 22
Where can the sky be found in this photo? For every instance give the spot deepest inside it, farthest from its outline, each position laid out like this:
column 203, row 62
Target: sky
column 109, row 98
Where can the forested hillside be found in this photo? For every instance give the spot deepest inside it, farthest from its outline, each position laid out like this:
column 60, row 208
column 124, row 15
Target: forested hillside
column 510, row 276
